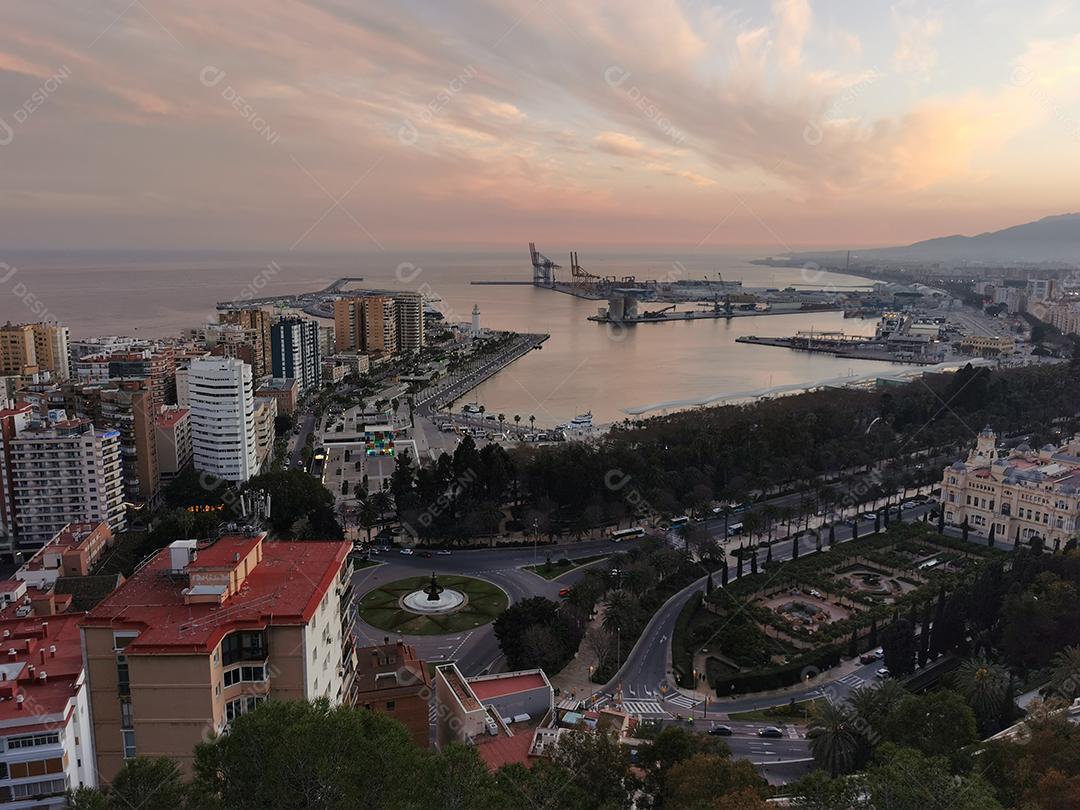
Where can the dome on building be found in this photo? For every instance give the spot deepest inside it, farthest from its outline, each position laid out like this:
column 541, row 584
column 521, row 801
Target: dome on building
column 1023, row 447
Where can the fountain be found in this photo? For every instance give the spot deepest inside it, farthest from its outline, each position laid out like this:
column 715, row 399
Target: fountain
column 433, row 599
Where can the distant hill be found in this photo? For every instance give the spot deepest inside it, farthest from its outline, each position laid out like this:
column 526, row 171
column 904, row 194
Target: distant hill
column 1051, row 239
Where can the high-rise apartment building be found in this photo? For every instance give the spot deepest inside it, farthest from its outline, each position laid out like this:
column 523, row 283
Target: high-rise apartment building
column 32, row 347
column 409, row 313
column 295, row 351
column 265, row 414
column 172, row 435
column 156, row 365
column 222, row 402
column 13, row 421
column 218, row 629
column 65, row 472
column 366, row 324
column 126, row 405
column 257, row 320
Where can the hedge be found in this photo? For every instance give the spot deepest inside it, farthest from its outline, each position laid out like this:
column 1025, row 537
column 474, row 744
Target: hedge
column 778, row 677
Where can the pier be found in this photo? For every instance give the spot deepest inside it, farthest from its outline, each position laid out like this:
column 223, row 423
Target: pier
column 851, row 347
column 446, row 392
column 707, row 314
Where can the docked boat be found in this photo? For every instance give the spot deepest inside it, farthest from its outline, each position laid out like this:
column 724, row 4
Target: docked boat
column 582, row 421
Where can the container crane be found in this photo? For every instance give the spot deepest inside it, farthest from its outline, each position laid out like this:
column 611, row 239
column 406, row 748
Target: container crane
column 543, row 267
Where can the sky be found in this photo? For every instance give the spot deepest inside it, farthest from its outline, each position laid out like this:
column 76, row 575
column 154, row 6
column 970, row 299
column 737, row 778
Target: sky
column 633, row 124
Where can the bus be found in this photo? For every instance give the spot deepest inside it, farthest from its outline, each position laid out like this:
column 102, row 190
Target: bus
column 681, row 520
column 625, row 534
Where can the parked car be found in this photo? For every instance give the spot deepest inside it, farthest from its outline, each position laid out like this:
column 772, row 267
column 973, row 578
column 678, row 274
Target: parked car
column 770, row 731
column 564, row 592
column 868, row 516
column 407, row 552
column 720, row 731
column 867, row 658
column 443, row 552
column 883, row 673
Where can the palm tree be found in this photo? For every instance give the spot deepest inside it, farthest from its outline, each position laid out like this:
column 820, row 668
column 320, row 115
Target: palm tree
column 984, row 686
column 620, row 611
column 835, row 740
column 532, row 420
column 517, row 420
column 1065, row 673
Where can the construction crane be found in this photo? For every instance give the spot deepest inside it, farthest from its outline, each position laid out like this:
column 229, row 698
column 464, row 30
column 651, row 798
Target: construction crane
column 579, row 274
column 657, row 313
column 543, row 267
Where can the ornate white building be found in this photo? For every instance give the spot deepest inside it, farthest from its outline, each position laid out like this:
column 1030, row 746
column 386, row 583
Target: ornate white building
column 1022, row 491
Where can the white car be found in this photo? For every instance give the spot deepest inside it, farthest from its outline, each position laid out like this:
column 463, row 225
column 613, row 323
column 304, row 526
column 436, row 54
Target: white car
column 882, row 673
column 408, row 552
column 442, row 552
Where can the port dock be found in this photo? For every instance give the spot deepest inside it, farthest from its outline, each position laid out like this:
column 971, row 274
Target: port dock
column 851, row 347
column 706, row 314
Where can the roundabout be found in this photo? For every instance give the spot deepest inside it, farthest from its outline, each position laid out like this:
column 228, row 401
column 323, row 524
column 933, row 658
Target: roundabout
column 432, row 606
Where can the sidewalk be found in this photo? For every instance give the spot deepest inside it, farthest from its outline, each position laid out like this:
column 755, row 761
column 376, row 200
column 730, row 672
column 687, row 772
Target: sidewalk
column 573, row 681
column 780, row 695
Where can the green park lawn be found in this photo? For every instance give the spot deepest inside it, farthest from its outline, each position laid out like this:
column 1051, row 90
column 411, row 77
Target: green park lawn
column 380, row 607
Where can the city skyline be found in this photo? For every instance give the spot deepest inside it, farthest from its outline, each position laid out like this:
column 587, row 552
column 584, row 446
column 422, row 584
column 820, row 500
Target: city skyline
column 344, row 126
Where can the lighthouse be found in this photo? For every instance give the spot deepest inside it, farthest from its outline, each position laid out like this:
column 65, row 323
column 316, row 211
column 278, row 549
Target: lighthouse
column 476, row 320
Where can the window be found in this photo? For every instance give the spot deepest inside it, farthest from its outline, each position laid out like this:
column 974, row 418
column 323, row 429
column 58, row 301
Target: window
column 127, row 717
column 36, row 767
column 32, row 740
column 242, row 705
column 390, row 705
column 243, row 646
column 31, row 790
column 129, row 743
column 245, row 674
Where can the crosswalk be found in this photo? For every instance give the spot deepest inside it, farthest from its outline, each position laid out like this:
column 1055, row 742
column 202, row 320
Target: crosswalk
column 851, row 680
column 644, row 707
column 683, row 701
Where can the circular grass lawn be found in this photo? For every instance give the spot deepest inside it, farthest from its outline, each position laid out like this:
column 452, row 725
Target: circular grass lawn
column 381, row 607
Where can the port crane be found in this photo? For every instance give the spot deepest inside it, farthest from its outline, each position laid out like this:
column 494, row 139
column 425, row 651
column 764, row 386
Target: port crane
column 579, row 274
column 657, row 313
column 543, row 267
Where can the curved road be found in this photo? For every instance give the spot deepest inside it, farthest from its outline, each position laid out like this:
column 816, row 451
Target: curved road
column 475, row 651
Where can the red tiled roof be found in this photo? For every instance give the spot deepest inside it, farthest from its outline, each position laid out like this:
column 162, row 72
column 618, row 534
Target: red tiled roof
column 498, row 687
column 502, row 750
column 223, row 553
column 285, row 588
column 63, row 667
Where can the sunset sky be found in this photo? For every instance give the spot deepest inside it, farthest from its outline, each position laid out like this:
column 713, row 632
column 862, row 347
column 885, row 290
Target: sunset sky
column 238, row 124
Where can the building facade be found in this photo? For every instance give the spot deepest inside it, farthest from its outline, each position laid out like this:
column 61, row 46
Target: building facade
column 66, row 472
column 219, row 628
column 222, row 418
column 32, row 347
column 1021, row 493
column 46, row 739
column 409, row 314
column 258, row 320
column 172, row 436
column 366, row 324
column 295, row 351
column 391, row 679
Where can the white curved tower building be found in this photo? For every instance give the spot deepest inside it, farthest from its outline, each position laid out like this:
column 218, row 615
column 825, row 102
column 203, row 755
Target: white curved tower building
column 222, row 402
